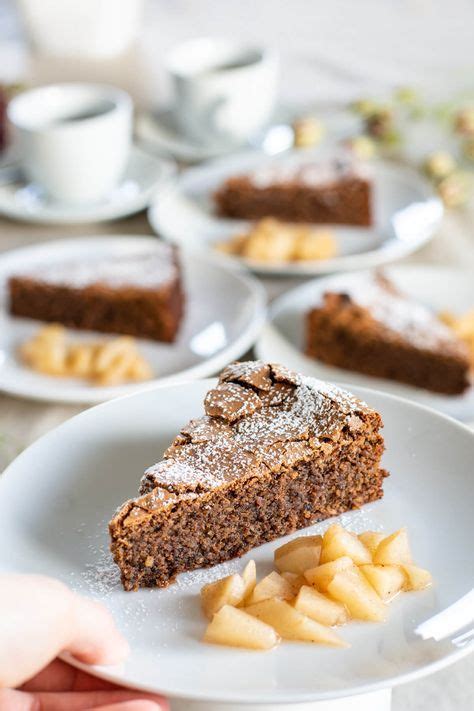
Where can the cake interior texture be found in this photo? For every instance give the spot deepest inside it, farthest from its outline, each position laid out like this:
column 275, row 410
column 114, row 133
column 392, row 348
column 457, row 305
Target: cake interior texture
column 335, row 192
column 274, row 453
column 376, row 330
column 137, row 295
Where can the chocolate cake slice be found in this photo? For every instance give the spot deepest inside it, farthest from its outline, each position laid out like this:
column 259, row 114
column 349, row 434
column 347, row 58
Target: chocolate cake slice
column 138, row 294
column 274, row 452
column 335, row 191
column 374, row 329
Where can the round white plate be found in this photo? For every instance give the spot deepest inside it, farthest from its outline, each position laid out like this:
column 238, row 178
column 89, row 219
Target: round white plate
column 440, row 288
column 406, row 215
column 76, row 476
column 224, row 313
column 143, row 176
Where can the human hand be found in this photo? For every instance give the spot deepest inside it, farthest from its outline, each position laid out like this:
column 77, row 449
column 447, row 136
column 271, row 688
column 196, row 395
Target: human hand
column 41, row 617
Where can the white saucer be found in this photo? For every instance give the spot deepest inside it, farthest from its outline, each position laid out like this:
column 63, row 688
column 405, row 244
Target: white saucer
column 158, row 131
column 407, row 214
column 144, row 175
column 57, row 496
column 441, row 288
column 215, row 330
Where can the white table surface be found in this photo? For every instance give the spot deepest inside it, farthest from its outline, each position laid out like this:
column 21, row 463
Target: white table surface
column 397, row 41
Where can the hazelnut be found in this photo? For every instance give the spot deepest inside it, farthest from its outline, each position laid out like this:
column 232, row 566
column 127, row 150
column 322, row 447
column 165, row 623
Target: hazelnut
column 308, row 132
column 362, row 147
column 468, row 149
column 464, row 122
column 364, row 107
column 379, row 125
column 454, row 189
column 439, row 165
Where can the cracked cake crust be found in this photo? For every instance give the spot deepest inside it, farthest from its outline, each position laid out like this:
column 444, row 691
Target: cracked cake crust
column 274, row 452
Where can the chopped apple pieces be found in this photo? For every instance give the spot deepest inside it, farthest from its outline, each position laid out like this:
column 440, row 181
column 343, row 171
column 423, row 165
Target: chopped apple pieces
column 228, row 591
column 233, row 590
column 273, row 585
column 320, row 608
column 352, row 589
column 394, row 550
column 249, row 576
column 321, row 582
column 321, row 576
column 417, row 578
column 340, row 543
column 292, row 624
column 296, row 581
column 371, row 540
column 235, row 628
column 298, row 555
column 386, row 580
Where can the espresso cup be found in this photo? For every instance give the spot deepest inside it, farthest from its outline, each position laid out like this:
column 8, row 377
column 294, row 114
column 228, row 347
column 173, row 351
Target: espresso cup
column 225, row 90
column 73, row 139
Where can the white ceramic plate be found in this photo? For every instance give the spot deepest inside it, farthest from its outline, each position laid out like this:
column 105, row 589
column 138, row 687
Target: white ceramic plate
column 225, row 310
column 406, row 215
column 143, row 176
column 440, row 288
column 77, row 475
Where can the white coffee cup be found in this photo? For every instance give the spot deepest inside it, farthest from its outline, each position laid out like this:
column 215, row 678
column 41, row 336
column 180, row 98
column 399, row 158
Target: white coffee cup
column 73, row 139
column 225, row 90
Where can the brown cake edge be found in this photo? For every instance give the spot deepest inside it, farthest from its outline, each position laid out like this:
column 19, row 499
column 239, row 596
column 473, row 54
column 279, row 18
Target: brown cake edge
column 347, row 201
column 155, row 314
column 201, row 530
column 343, row 347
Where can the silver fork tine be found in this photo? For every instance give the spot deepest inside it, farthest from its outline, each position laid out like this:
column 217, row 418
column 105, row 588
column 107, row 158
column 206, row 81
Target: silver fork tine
column 449, row 621
column 463, row 639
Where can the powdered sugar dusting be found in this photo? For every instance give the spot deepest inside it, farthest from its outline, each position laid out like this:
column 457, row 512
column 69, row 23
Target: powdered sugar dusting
column 407, row 318
column 314, row 173
column 101, row 581
column 145, row 269
column 202, row 465
column 102, row 577
column 283, row 423
column 197, row 578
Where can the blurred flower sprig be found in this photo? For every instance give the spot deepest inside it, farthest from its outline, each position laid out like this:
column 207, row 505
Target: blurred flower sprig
column 387, row 126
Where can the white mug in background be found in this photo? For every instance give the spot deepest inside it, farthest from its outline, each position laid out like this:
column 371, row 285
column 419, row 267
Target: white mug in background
column 225, row 90
column 73, row 139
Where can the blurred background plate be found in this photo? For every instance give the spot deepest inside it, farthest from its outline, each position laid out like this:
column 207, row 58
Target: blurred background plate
column 144, row 175
column 215, row 330
column 407, row 215
column 440, row 288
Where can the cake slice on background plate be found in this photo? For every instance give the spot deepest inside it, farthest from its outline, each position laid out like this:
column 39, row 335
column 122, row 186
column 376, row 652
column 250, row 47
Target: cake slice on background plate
column 333, row 190
column 138, row 294
column 373, row 328
column 274, row 452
